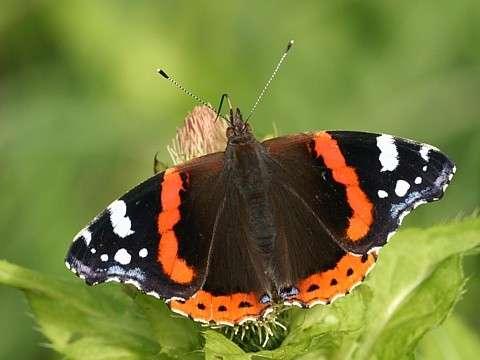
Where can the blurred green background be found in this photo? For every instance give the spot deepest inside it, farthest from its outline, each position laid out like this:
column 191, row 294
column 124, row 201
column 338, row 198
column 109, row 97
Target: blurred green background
column 82, row 111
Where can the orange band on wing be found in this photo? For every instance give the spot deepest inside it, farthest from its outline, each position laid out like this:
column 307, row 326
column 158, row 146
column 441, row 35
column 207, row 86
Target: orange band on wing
column 173, row 266
column 229, row 309
column 323, row 287
column 362, row 218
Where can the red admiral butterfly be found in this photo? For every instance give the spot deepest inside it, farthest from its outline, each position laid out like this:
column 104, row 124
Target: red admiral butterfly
column 295, row 219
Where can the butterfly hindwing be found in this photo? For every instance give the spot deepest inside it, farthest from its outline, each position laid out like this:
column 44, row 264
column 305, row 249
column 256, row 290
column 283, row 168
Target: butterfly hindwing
column 236, row 288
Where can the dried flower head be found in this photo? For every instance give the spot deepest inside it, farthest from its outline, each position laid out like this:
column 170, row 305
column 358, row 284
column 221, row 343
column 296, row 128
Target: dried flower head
column 203, row 133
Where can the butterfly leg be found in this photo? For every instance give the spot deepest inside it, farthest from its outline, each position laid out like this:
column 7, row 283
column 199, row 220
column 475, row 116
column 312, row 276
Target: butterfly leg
column 158, row 166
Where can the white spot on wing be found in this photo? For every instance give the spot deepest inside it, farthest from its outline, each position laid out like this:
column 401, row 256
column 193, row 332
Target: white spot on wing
column 86, row 234
column 293, row 303
column 93, row 250
column 382, row 194
column 122, row 226
column 336, row 297
column 388, row 152
column 104, row 257
column 425, row 150
column 179, row 312
column 418, row 180
column 143, row 253
column 316, row 302
column 174, row 298
column 200, row 320
column 122, row 257
column 375, row 250
column 401, row 187
column 418, row 203
column 134, row 283
column 425, row 168
column 154, row 294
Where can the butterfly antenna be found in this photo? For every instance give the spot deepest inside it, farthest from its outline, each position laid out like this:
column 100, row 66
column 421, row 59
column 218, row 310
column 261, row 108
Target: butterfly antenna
column 267, row 85
column 189, row 93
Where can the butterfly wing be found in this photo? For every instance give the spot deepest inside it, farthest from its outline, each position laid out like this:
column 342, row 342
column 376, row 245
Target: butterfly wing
column 328, row 197
column 181, row 236
column 364, row 183
column 157, row 236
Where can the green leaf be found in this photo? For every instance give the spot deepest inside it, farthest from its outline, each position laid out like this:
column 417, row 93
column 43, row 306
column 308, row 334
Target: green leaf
column 412, row 313
column 177, row 335
column 417, row 281
column 103, row 322
column 412, row 289
column 454, row 340
column 218, row 347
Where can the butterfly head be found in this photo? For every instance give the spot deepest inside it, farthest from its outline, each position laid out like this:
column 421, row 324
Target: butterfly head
column 238, row 131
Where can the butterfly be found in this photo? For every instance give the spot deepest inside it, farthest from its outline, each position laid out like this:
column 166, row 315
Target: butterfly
column 295, row 219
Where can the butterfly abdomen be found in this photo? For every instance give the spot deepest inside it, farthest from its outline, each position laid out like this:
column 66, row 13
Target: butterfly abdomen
column 248, row 171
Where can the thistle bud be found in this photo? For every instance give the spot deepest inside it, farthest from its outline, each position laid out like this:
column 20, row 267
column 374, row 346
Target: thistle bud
column 203, row 133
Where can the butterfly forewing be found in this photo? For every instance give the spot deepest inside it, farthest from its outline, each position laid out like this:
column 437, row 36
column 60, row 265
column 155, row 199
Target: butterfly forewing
column 361, row 185
column 157, row 236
